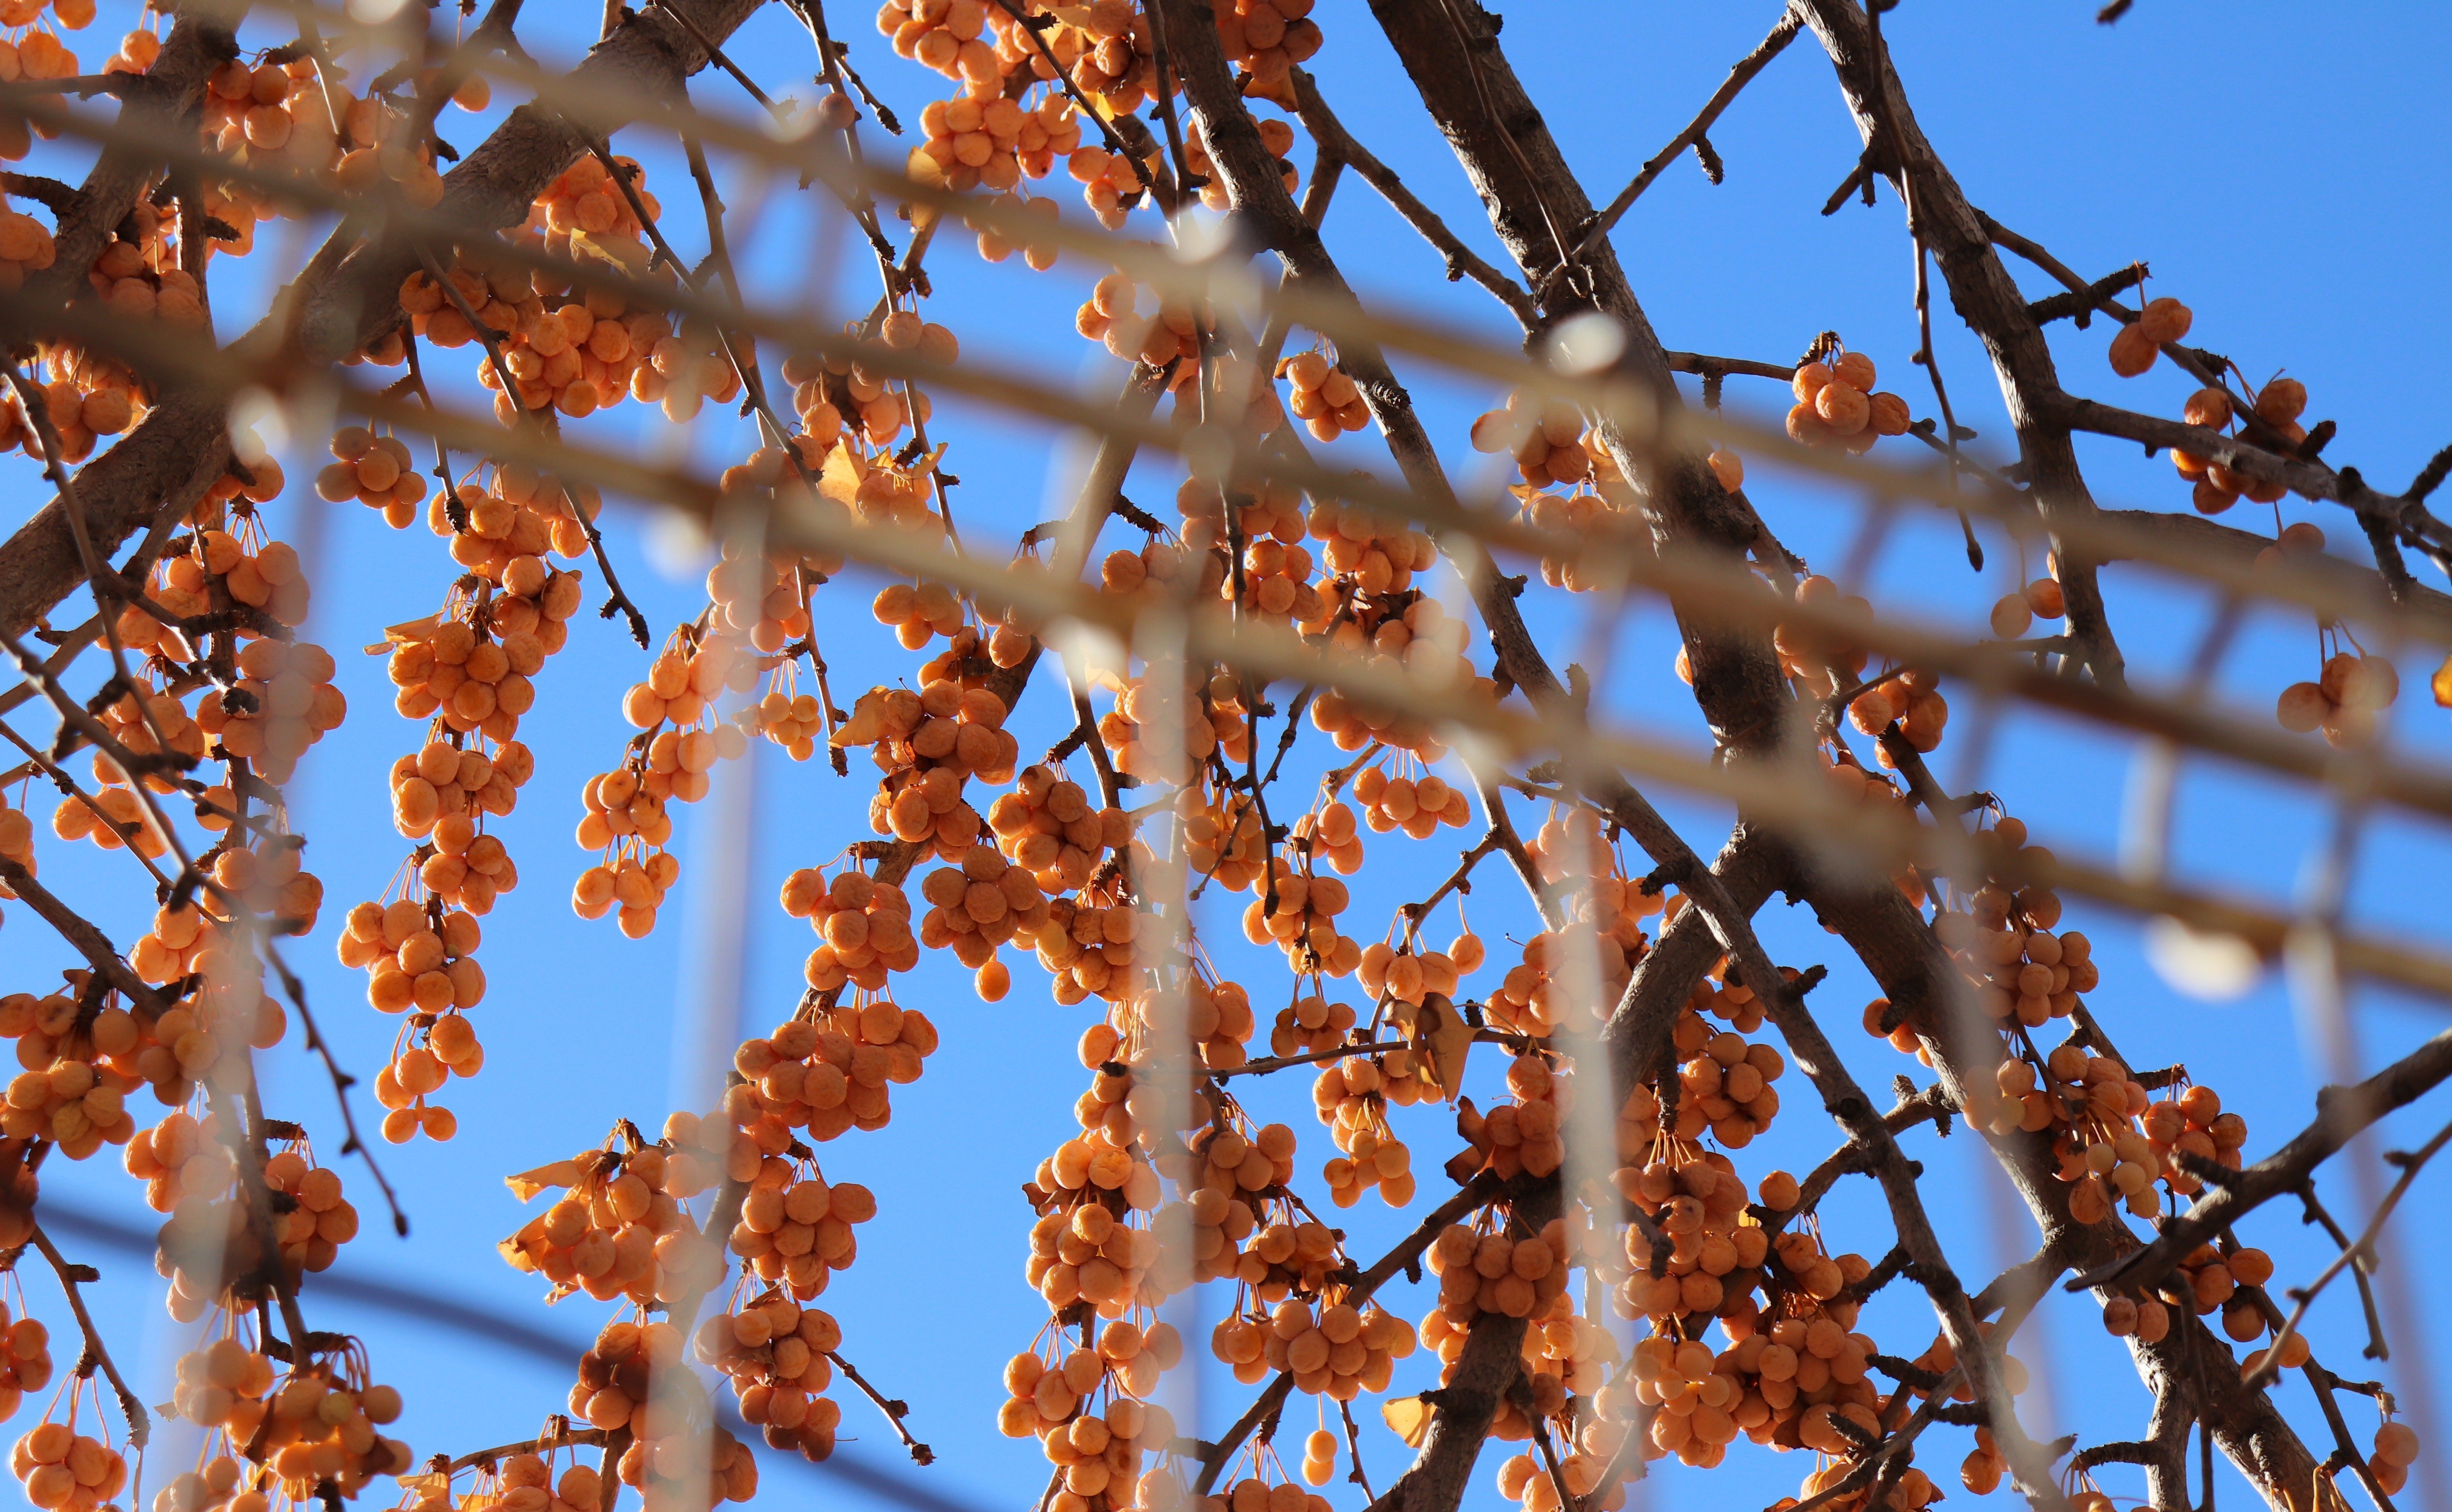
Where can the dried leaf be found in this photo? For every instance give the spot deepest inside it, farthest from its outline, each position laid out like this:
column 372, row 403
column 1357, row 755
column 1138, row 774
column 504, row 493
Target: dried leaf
column 840, row 479
column 528, row 1183
column 1446, row 1039
column 1409, row 1418
column 407, row 633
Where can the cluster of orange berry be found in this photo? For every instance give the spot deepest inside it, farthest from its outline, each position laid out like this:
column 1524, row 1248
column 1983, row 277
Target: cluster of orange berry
column 1111, row 313
column 579, row 1488
column 1787, row 1383
column 779, row 1355
column 1353, row 1097
column 225, row 1385
column 90, row 398
column 1048, row 827
column 996, row 244
column 181, row 1156
column 115, row 817
column 1329, row 834
column 679, row 1454
column 998, row 142
column 863, row 924
column 319, row 1220
column 439, row 792
column 26, row 246
column 623, row 817
column 470, row 668
column 1406, row 976
column 502, row 532
column 1491, row 1270
column 203, row 1037
column 1373, row 560
column 2396, row 1450
column 63, row 1470
column 458, row 667
column 835, row 391
column 1297, row 910
column 1534, row 994
column 1222, row 834
column 2279, row 404
column 1096, row 1452
column 321, row 1428
column 795, row 1229
column 2141, row 340
column 1546, row 441
column 1158, row 567
column 2346, row 701
column 1271, row 510
column 420, row 959
column 24, row 1360
column 290, row 704
column 72, row 1090
column 1724, row 1084
column 1224, row 1174
column 1353, row 723
column 1416, row 805
column 1715, row 1252
column 1085, row 1246
column 827, row 1073
column 979, row 905
column 763, row 598
column 1109, row 53
column 1837, row 404
column 928, row 743
column 1309, row 1025
column 377, row 471
column 619, row 1230
column 1337, row 1350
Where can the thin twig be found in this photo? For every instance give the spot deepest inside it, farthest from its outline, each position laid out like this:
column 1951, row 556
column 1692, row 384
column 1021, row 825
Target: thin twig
column 1695, row 136
column 1353, row 1451
column 895, row 1410
column 1462, row 262
column 140, row 1426
column 564, row 1438
column 341, row 1082
column 618, row 602
column 2362, row 1254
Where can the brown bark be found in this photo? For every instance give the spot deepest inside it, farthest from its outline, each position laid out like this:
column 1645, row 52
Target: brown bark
column 1986, row 296
column 1515, row 166
column 347, row 296
column 163, row 99
column 1535, row 204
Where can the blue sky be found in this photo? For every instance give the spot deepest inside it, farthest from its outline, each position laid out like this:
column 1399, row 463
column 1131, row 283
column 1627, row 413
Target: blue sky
column 2284, row 176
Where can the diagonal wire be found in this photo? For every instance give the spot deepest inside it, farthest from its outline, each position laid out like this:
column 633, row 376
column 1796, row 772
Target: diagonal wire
column 513, row 1335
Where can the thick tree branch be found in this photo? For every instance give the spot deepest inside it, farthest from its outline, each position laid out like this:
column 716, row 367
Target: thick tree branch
column 346, row 297
column 1987, row 298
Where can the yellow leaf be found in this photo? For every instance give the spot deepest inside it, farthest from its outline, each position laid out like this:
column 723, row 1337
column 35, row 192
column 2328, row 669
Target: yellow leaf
column 528, row 1183
column 1409, row 1418
column 2442, row 685
column 840, row 479
column 408, row 631
column 866, row 724
column 630, row 256
column 1443, row 1035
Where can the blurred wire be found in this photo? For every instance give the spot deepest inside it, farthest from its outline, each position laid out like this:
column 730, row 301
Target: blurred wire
column 509, row 1333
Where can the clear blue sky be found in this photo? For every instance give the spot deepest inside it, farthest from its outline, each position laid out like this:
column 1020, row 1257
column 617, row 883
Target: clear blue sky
column 2283, row 170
